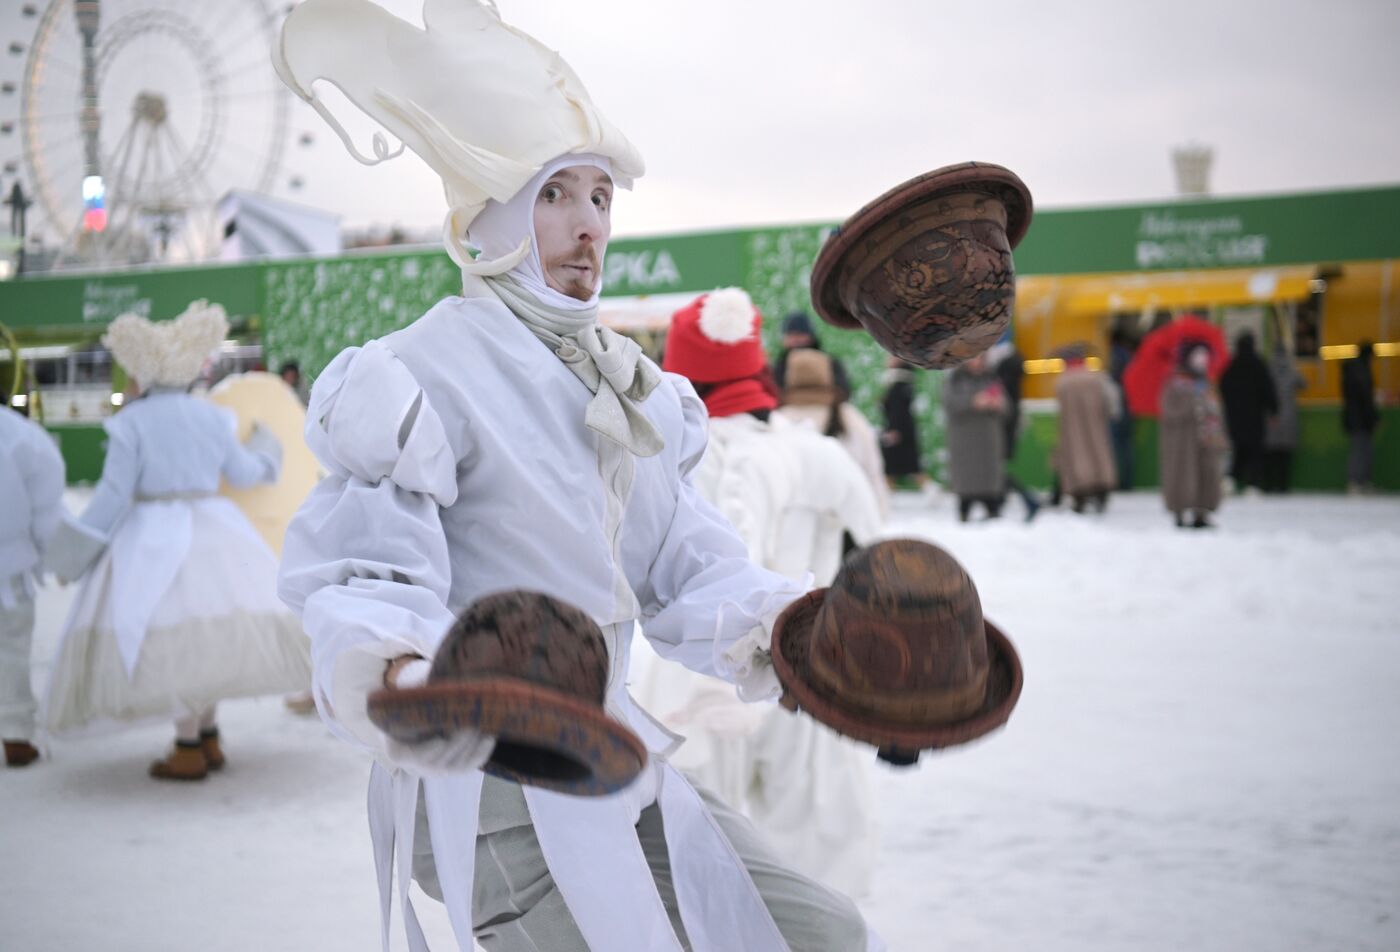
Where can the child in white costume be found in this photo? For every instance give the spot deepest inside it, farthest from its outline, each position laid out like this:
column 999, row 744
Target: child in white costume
column 31, row 502
column 505, row 440
column 180, row 608
column 791, row 494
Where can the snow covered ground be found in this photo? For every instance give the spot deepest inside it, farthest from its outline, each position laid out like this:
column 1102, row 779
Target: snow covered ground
column 1204, row 758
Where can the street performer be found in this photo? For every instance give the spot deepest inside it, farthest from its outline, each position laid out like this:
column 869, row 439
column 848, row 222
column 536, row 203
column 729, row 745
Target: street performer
column 505, row 440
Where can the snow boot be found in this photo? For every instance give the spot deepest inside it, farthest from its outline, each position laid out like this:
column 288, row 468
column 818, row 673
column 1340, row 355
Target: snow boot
column 209, row 744
column 20, row 753
column 186, row 762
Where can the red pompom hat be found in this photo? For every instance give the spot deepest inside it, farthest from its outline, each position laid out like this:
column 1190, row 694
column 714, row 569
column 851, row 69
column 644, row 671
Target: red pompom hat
column 714, row 342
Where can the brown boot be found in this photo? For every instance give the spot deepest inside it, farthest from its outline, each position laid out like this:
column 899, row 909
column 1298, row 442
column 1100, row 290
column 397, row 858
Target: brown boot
column 186, row 762
column 20, row 753
column 213, row 753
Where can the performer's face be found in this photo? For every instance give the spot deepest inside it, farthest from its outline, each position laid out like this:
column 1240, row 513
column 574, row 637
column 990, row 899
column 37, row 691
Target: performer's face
column 573, row 219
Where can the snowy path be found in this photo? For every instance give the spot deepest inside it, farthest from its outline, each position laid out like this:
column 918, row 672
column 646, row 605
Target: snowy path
column 1204, row 758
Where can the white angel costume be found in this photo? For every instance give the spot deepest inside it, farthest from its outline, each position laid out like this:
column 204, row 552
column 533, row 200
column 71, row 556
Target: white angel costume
column 180, row 609
column 791, row 493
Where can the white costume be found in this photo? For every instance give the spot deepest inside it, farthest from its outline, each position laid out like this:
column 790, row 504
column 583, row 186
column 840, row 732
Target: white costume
column 858, row 437
column 180, row 609
column 505, row 440
column 790, row 493
column 31, row 501
column 460, row 467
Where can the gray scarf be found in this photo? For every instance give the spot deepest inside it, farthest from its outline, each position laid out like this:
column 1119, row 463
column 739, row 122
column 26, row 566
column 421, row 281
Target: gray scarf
column 611, row 366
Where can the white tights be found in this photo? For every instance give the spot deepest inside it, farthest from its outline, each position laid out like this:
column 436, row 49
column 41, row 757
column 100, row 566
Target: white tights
column 189, row 728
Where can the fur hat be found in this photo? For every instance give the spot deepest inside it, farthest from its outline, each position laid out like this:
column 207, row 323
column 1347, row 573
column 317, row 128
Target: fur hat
column 810, row 379
column 168, row 353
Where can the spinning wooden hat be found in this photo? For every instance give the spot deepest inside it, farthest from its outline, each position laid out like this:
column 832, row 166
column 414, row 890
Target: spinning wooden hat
column 896, row 653
column 926, row 268
column 531, row 671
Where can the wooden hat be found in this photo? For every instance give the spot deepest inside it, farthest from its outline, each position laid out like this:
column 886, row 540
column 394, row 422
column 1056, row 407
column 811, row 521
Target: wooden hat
column 896, row 653
column 531, row 671
column 926, row 268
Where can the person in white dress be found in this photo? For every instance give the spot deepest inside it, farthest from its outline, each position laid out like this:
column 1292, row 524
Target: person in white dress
column 794, row 496
column 503, row 441
column 810, row 395
column 178, row 606
column 31, row 501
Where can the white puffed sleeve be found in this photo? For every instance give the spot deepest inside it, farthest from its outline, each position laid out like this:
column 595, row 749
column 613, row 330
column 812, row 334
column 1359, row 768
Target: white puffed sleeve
column 365, row 559
column 705, row 604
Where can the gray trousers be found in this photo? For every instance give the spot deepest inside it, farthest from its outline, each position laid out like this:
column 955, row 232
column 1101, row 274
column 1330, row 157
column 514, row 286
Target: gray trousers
column 517, row 908
column 16, row 691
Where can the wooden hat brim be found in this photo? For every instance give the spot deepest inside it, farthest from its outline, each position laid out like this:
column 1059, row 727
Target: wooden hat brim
column 791, row 637
column 966, row 176
column 520, row 713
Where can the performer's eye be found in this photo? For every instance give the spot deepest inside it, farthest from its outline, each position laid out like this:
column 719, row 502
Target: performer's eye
column 551, row 193
column 602, row 200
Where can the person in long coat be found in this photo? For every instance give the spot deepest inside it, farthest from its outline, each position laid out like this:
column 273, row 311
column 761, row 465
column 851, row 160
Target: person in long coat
column 975, row 403
column 178, row 604
column 1248, row 392
column 1121, row 348
column 1359, row 417
column 1281, row 429
column 1088, row 403
column 899, row 440
column 1191, row 440
column 1010, row 369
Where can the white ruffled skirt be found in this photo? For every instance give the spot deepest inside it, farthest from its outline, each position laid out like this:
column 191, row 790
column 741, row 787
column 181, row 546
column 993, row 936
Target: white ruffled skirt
column 180, row 611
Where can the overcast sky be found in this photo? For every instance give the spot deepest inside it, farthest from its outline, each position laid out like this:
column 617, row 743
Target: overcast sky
column 759, row 111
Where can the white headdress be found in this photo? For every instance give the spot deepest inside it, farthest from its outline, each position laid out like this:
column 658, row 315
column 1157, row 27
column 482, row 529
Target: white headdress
column 481, row 102
column 168, row 353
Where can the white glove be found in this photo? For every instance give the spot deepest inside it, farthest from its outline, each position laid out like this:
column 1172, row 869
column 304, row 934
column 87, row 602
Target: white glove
column 751, row 666
column 264, row 442
column 465, row 749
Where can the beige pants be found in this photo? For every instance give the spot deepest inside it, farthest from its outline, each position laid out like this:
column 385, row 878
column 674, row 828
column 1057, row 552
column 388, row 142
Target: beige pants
column 16, row 691
column 517, row 908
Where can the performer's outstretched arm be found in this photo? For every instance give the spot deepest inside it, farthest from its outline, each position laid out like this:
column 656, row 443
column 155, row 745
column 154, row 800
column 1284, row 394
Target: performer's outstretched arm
column 706, row 604
column 259, row 460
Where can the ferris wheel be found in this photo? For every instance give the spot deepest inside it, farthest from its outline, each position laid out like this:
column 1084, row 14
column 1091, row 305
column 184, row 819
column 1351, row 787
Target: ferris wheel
column 137, row 116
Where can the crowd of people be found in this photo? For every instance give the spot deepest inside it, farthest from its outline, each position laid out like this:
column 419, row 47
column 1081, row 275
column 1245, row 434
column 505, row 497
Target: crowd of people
column 1225, row 420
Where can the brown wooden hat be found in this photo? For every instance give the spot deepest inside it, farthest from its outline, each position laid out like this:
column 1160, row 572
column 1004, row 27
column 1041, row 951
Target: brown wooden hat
column 926, row 268
column 532, row 671
column 896, row 653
